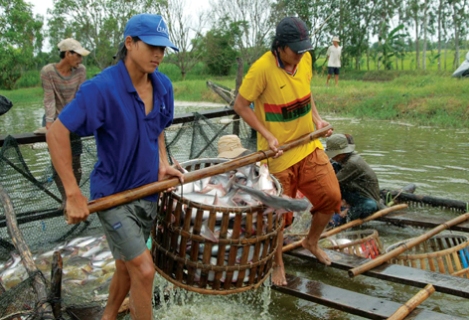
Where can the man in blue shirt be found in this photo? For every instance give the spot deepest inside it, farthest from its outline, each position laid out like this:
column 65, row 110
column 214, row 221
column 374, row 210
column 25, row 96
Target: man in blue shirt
column 126, row 108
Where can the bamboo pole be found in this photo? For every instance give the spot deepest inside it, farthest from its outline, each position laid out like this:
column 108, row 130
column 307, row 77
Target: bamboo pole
column 56, row 284
column 155, row 187
column 410, row 305
column 348, row 225
column 26, row 257
column 408, row 245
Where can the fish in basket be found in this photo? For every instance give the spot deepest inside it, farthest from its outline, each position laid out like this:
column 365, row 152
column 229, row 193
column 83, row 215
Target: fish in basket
column 219, row 235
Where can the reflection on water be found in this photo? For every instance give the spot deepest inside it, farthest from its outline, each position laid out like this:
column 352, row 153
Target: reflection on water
column 435, row 160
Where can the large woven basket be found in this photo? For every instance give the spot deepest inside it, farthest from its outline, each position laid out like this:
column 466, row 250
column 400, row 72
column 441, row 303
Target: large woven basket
column 240, row 261
column 447, row 254
column 362, row 243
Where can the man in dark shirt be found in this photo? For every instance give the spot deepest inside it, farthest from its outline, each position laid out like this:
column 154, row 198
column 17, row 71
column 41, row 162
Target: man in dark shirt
column 358, row 182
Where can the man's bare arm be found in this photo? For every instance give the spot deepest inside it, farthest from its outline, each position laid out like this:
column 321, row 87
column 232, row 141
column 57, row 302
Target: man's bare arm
column 318, row 122
column 58, row 140
column 165, row 169
column 241, row 107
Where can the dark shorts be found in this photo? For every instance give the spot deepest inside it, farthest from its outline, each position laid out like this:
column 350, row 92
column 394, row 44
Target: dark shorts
column 127, row 228
column 333, row 70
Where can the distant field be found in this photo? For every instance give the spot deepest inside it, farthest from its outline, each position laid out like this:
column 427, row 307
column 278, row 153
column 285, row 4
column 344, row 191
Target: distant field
column 409, row 61
column 424, row 97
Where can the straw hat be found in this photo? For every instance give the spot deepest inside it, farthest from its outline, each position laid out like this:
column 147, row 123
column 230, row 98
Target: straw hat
column 230, row 146
column 335, row 39
column 337, row 144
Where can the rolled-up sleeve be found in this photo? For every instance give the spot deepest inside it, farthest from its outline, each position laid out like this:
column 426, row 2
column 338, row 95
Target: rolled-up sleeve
column 49, row 96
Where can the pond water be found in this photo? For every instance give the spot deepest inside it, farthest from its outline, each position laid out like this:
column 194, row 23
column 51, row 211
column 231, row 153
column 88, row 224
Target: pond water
column 435, row 160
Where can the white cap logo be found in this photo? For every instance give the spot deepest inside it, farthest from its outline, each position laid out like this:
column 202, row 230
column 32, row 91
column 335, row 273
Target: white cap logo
column 162, row 27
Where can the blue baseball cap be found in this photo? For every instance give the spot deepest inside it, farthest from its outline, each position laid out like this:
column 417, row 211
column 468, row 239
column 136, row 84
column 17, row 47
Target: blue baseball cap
column 150, row 28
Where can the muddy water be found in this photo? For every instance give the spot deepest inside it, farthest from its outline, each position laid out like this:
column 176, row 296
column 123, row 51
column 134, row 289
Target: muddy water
column 436, row 160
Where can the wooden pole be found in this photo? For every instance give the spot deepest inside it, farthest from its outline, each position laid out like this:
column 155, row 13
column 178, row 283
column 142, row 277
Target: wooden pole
column 156, row 187
column 26, row 257
column 410, row 305
column 349, row 225
column 408, row 245
column 56, row 284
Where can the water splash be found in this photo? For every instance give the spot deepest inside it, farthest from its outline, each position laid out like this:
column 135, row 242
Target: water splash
column 172, row 302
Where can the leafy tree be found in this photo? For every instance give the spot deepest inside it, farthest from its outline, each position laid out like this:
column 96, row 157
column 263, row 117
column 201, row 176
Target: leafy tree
column 254, row 21
column 459, row 15
column 181, row 27
column 20, row 36
column 97, row 24
column 219, row 53
column 391, row 45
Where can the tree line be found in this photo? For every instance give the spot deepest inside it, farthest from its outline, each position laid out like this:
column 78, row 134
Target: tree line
column 379, row 31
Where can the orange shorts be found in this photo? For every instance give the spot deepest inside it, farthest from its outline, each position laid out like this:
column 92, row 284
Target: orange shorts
column 315, row 178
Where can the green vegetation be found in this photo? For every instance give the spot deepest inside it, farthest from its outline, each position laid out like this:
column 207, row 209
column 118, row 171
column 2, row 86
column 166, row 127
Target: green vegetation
column 424, row 98
column 429, row 99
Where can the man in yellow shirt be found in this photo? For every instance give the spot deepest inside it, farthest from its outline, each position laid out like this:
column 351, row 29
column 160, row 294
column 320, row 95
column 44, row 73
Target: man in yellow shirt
column 279, row 85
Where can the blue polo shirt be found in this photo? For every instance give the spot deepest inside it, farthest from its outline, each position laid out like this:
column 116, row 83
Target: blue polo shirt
column 108, row 107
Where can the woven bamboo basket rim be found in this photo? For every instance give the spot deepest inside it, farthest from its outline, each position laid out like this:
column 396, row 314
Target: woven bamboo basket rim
column 212, row 291
column 190, row 264
column 240, row 241
column 434, row 254
column 460, row 272
column 233, row 209
column 218, row 268
column 372, row 235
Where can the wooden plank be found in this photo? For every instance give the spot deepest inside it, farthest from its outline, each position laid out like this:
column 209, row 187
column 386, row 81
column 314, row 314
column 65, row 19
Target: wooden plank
column 351, row 302
column 29, row 137
column 396, row 273
column 25, row 138
column 421, row 221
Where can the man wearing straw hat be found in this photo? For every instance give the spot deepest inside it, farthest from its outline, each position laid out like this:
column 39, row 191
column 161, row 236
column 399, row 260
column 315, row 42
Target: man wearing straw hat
column 333, row 55
column 126, row 107
column 279, row 84
column 358, row 182
column 60, row 82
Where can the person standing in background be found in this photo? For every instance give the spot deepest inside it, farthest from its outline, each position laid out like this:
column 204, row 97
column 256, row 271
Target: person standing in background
column 333, row 56
column 60, row 82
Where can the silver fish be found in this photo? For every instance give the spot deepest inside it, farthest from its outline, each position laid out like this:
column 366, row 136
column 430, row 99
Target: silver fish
column 278, row 202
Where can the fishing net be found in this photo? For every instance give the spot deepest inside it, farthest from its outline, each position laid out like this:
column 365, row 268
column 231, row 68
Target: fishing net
column 5, row 105
column 27, row 176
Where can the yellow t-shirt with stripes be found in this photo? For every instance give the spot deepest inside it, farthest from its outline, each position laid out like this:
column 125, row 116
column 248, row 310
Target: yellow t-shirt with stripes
column 282, row 102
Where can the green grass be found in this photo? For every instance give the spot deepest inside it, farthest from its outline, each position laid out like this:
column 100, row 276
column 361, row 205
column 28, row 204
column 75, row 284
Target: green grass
column 430, row 99
column 424, row 98
column 25, row 96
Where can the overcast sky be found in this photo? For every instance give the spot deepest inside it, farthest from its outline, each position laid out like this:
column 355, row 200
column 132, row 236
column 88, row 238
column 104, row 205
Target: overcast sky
column 41, row 6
